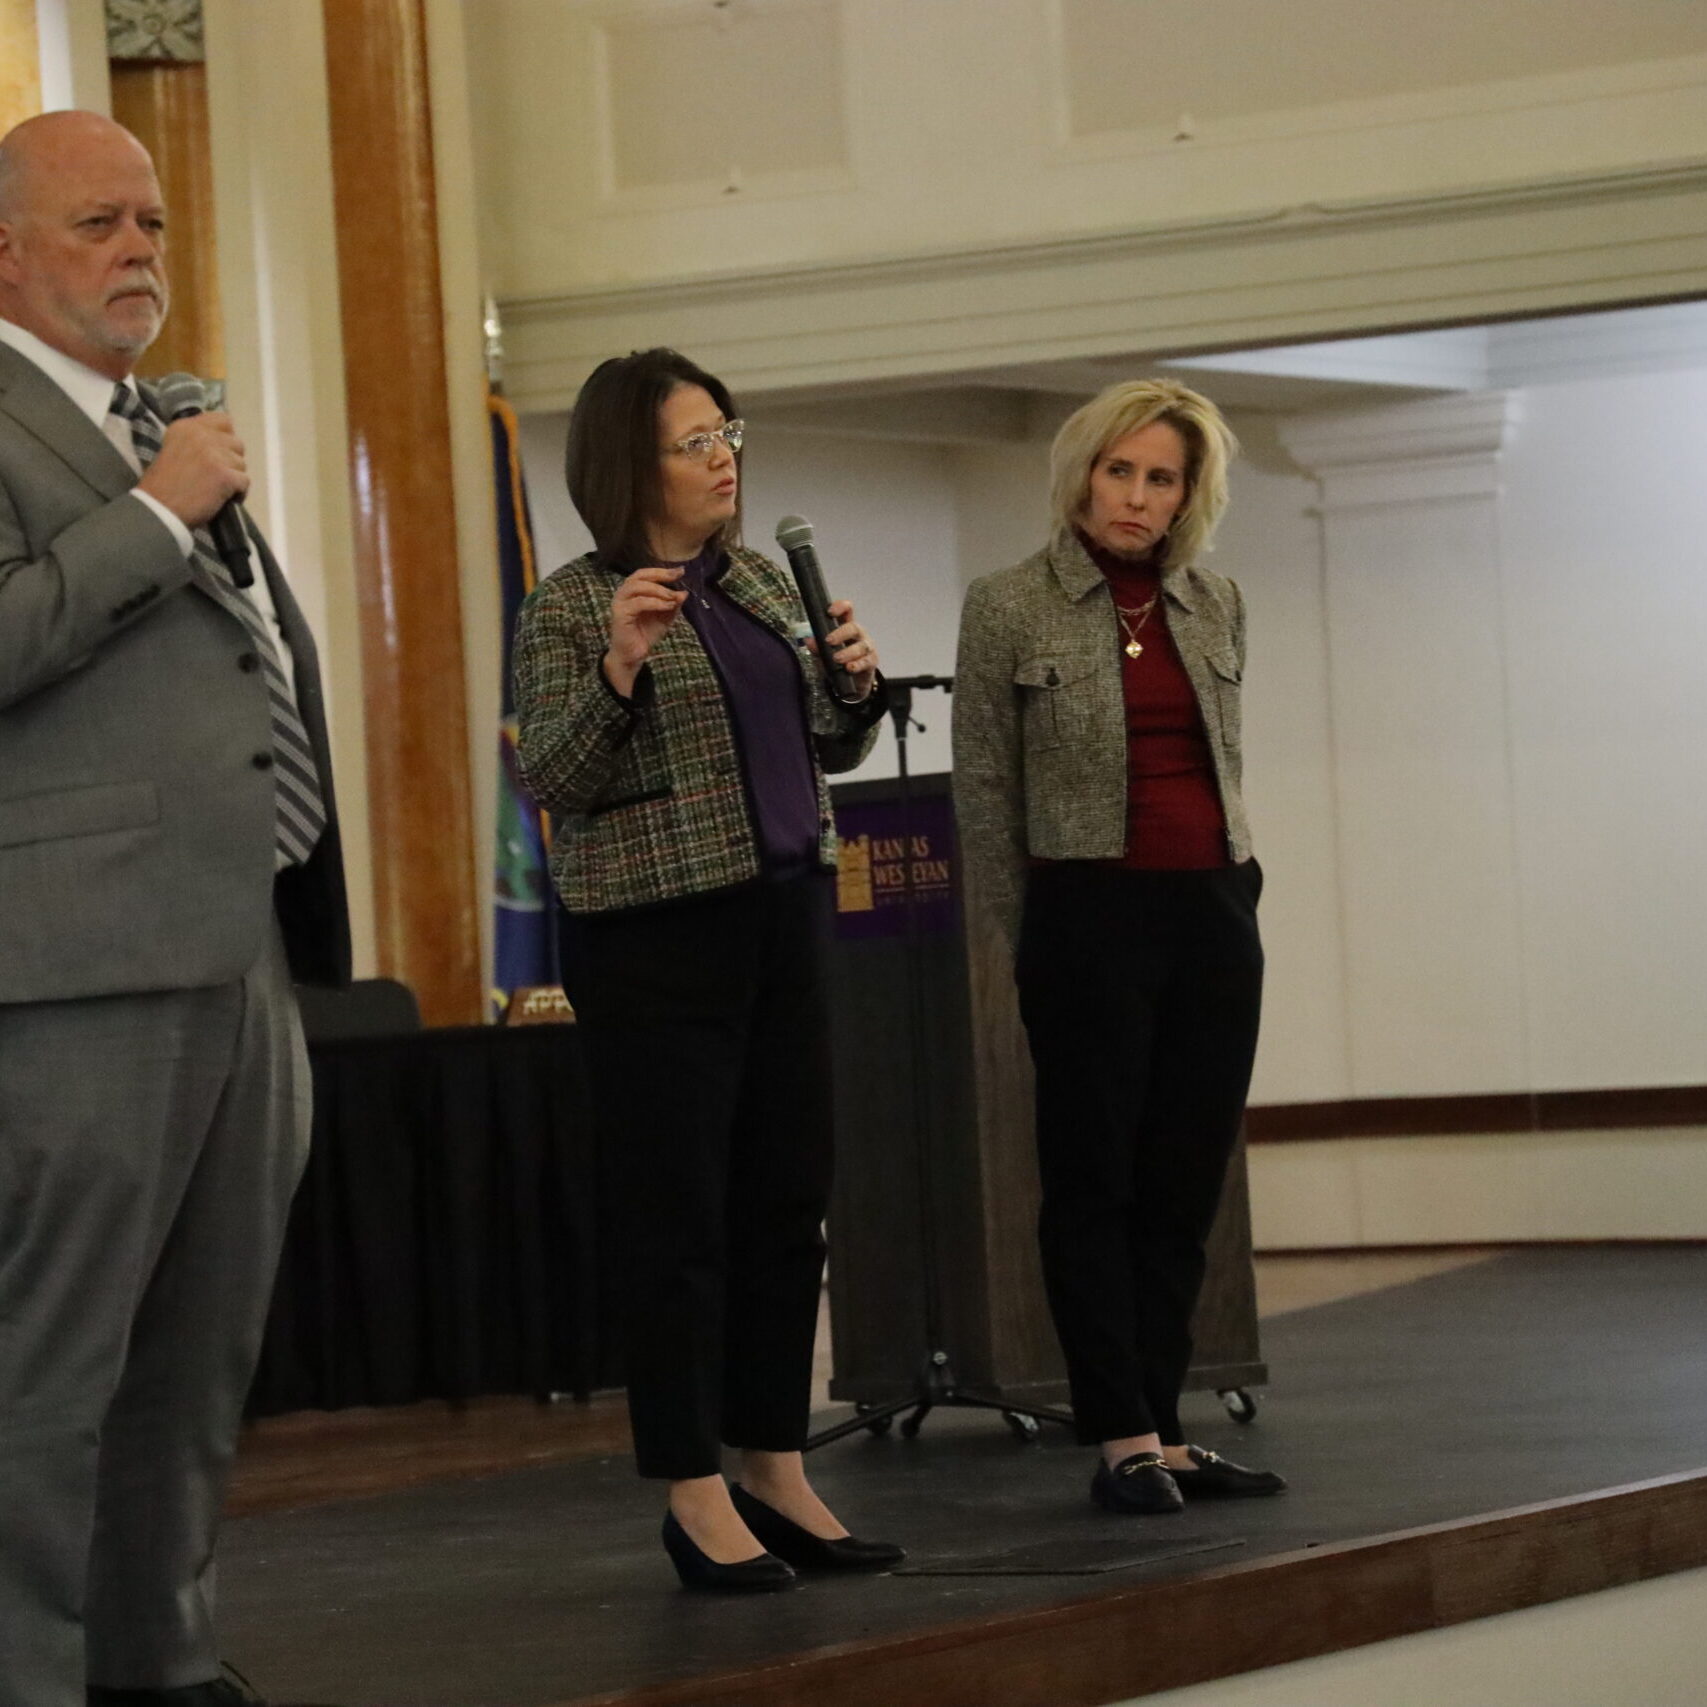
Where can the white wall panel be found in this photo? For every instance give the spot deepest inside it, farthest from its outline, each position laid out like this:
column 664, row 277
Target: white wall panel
column 957, row 113
column 885, row 523
column 1271, row 544
column 1640, row 1645
column 1415, row 636
column 1494, row 1188
column 1001, row 495
column 1605, row 549
column 968, row 183
column 1237, row 58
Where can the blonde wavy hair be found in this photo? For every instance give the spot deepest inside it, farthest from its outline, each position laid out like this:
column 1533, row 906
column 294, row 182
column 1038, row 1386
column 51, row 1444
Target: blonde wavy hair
column 1088, row 434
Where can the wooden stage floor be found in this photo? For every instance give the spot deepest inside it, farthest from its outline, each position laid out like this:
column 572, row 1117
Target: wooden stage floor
column 1459, row 1444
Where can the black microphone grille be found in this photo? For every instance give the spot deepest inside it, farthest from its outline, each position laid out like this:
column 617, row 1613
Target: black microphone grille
column 792, row 532
column 181, row 394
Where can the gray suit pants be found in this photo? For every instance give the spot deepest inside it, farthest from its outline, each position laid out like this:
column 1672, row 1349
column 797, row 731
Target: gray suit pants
column 149, row 1148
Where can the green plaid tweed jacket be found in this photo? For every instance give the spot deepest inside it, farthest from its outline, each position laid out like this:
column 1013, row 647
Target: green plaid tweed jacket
column 1040, row 718
column 646, row 795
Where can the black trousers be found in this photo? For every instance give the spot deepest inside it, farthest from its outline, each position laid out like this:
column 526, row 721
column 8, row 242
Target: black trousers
column 706, row 1032
column 1140, row 992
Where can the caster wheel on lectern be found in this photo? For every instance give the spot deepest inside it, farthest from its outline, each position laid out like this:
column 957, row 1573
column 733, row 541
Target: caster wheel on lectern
column 910, row 1426
column 1241, row 1407
column 876, row 1426
column 1024, row 1427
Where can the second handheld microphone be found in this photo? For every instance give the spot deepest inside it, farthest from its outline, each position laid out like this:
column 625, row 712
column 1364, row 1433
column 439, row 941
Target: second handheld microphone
column 794, row 535
column 183, row 395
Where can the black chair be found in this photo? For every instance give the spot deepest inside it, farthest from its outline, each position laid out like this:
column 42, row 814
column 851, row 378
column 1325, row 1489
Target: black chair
column 370, row 1007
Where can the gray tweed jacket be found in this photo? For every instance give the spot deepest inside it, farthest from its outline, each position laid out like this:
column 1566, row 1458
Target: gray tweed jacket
column 1040, row 721
column 646, row 795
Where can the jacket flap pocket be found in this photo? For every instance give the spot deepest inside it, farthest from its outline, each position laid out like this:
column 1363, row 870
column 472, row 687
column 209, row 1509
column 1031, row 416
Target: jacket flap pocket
column 1053, row 670
column 1225, row 665
column 78, row 812
column 650, row 797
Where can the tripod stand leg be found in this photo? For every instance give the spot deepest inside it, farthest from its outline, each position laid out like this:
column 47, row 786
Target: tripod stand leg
column 1010, row 1411
column 910, row 1426
column 874, row 1419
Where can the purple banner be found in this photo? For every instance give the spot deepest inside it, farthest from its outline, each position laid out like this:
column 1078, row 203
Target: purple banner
column 877, row 859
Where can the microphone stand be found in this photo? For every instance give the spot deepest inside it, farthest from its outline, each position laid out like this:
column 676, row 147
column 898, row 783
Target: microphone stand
column 935, row 1383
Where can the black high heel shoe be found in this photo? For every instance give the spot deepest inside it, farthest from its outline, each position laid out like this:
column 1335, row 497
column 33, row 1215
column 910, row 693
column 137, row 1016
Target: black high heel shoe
column 698, row 1570
column 808, row 1552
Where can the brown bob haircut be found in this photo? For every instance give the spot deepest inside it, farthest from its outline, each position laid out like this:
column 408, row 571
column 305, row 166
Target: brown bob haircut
column 613, row 460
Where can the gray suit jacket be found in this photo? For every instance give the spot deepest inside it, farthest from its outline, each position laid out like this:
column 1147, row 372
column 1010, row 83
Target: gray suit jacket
column 1040, row 719
column 136, row 829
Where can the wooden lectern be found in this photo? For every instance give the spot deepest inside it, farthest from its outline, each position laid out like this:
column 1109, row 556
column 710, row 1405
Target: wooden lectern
column 968, row 1071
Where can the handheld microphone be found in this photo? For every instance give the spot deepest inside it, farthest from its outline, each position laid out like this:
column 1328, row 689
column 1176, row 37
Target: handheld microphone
column 794, row 535
column 181, row 396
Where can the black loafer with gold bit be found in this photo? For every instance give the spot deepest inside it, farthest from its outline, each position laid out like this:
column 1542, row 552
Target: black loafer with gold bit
column 1218, row 1478
column 1139, row 1486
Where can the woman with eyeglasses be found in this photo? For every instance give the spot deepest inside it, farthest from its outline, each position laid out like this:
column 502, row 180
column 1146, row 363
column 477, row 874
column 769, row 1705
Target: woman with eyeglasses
column 679, row 732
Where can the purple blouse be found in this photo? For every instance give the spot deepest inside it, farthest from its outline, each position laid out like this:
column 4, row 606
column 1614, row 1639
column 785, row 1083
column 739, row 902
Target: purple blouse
column 761, row 681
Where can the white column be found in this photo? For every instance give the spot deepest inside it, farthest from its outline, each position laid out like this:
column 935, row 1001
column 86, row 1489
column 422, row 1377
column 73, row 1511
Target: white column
column 272, row 179
column 73, row 43
column 1421, row 735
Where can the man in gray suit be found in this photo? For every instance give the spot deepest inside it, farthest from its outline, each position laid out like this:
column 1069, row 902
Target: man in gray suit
column 168, row 861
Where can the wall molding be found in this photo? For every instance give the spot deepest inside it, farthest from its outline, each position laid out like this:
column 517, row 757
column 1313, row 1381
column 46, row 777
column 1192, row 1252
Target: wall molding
column 749, row 179
column 1360, row 115
column 1437, row 448
column 1642, row 1107
column 1272, row 276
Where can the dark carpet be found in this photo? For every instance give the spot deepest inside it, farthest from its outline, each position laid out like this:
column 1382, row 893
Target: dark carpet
column 1528, row 1378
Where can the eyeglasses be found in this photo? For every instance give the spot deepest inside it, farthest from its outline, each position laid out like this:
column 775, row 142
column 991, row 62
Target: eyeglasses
column 698, row 446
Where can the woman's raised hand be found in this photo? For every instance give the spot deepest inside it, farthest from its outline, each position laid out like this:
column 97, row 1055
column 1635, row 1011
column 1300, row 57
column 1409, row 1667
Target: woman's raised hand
column 640, row 610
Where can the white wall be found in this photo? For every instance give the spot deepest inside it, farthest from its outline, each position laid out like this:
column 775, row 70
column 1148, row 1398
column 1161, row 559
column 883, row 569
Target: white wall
column 271, row 149
column 1543, row 642
column 824, row 192
column 885, row 523
column 835, row 129
column 1543, row 924
column 1605, row 570
column 1270, row 543
column 1479, row 1189
column 1001, row 504
column 1642, row 1645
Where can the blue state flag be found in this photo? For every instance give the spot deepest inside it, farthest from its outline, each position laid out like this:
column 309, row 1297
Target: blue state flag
column 524, row 932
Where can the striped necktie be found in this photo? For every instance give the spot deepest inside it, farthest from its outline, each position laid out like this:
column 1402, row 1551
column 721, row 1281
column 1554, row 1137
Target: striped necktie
column 299, row 806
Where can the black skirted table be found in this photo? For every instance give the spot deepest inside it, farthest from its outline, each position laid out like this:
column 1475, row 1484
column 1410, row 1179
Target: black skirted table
column 444, row 1243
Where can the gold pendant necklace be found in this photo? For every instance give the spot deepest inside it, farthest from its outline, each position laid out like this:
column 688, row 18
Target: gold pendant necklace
column 1134, row 647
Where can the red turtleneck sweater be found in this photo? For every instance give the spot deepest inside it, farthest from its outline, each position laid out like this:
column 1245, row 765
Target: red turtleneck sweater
column 1174, row 820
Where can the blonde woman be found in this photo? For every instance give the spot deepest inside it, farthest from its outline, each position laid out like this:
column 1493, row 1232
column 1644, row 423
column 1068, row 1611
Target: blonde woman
column 1096, row 777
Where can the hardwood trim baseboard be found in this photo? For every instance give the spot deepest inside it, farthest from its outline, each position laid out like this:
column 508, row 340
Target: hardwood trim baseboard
column 1497, row 1248
column 1523, row 1111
